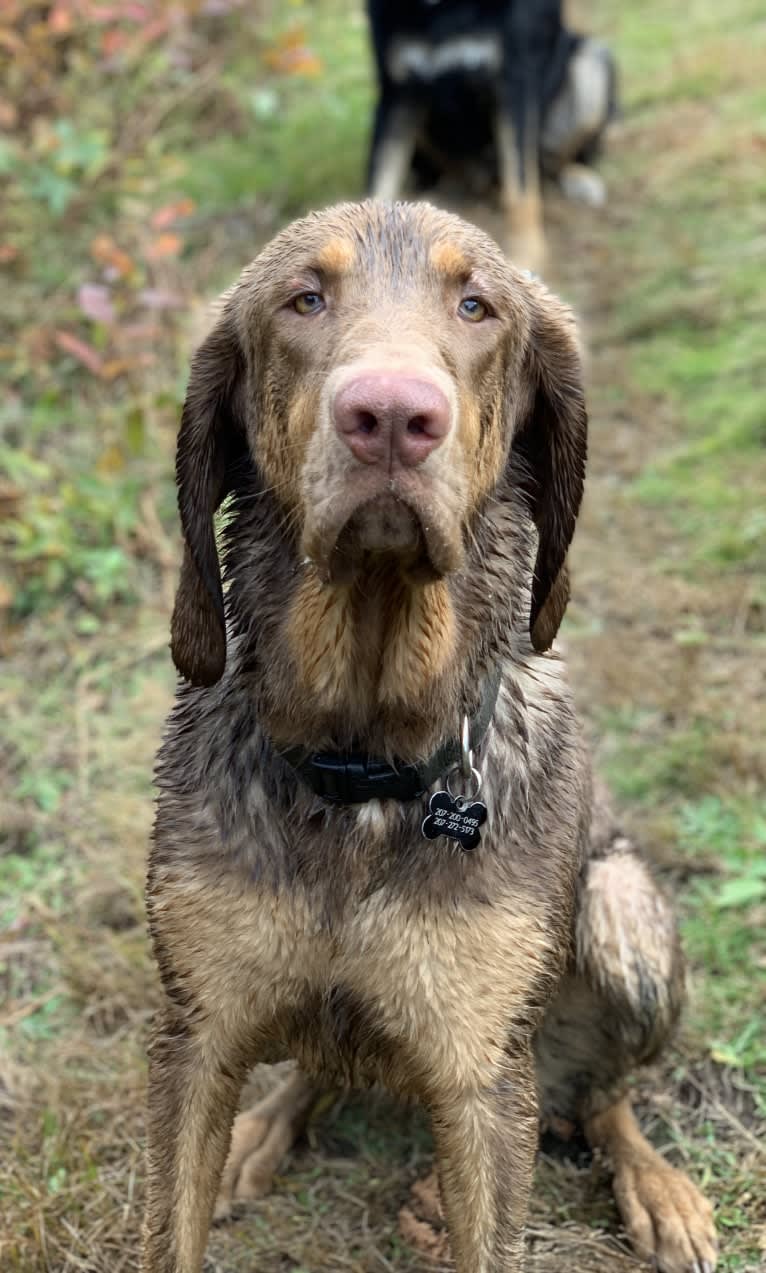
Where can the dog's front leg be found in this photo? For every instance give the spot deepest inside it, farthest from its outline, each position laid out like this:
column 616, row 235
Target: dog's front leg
column 397, row 123
column 486, row 1141
column 517, row 136
column 196, row 1072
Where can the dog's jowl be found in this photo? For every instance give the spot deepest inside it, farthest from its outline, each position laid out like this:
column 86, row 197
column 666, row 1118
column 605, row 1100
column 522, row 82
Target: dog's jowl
column 395, row 417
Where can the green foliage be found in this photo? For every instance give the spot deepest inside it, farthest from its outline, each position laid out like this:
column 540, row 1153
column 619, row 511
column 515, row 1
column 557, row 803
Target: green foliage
column 65, row 161
column 71, row 539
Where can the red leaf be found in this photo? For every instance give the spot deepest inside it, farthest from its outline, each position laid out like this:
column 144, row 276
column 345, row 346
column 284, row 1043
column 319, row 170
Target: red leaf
column 125, row 12
column 112, row 42
column 61, row 18
column 79, row 349
column 172, row 212
column 164, row 246
column 95, row 301
column 294, row 61
column 106, row 252
column 155, row 30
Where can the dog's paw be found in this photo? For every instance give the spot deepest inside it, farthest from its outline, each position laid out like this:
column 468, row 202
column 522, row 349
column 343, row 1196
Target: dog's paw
column 667, row 1219
column 258, row 1144
column 260, row 1139
column 583, row 185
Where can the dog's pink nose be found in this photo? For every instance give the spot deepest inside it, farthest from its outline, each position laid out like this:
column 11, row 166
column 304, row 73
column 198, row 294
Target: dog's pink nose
column 384, row 416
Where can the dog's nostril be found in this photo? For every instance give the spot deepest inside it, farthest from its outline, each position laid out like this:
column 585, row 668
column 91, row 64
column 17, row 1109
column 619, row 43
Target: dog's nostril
column 417, row 425
column 366, row 422
column 389, row 416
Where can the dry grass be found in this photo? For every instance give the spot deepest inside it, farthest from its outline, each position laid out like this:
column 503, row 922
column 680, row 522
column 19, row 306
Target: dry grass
column 665, row 634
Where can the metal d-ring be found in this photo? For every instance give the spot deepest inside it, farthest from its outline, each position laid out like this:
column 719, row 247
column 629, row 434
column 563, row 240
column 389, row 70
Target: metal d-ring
column 466, row 754
column 464, row 797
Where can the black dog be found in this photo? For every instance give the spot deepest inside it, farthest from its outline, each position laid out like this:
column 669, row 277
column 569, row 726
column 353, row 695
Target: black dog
column 499, row 87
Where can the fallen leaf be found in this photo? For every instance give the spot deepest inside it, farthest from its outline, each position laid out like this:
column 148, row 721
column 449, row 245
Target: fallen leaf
column 112, row 460
column 171, row 213
column 9, row 115
column 113, row 42
column 292, row 61
column 60, row 19
column 294, row 37
column 131, row 335
column 427, row 1241
column 118, row 13
column 421, row 1224
column 164, row 246
column 106, row 252
column 155, row 30
column 119, row 366
column 36, row 342
column 427, row 1197
column 10, row 499
column 158, row 298
column 8, row 253
column 95, row 301
column 115, row 367
column 79, row 349
column 12, row 42
column 290, row 54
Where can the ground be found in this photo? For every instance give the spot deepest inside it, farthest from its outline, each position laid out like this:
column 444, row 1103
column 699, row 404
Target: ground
column 146, row 151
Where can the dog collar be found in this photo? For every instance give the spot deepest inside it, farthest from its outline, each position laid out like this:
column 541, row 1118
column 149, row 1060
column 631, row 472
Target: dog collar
column 354, row 777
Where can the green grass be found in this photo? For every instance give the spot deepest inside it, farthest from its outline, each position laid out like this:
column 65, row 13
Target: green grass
column 303, row 141
column 685, row 753
column 689, row 318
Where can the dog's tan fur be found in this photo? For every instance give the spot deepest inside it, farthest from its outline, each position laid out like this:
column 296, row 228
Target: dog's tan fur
column 368, row 606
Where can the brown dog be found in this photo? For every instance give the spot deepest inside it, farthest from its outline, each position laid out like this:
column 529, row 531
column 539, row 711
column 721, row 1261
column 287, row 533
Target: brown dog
column 398, row 416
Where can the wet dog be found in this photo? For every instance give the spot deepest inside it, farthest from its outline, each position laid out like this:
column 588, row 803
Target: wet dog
column 377, row 849
column 492, row 91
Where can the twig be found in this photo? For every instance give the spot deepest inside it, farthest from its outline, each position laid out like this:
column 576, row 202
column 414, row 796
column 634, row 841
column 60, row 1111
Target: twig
column 730, row 1118
column 28, row 1008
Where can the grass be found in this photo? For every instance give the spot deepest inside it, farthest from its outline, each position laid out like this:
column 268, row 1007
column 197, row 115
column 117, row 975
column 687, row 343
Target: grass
column 141, row 164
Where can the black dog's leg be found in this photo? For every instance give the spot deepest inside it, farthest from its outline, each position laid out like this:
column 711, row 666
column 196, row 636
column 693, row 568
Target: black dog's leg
column 518, row 144
column 576, row 121
column 395, row 132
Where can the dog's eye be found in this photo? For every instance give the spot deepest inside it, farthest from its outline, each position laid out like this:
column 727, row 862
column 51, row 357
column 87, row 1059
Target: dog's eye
column 308, row 303
column 473, row 309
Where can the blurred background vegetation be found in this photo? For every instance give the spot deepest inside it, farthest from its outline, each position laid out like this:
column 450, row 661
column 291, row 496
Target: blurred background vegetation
column 146, row 150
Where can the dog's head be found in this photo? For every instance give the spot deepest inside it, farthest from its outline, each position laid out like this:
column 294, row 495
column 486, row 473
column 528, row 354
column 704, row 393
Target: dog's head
column 387, row 372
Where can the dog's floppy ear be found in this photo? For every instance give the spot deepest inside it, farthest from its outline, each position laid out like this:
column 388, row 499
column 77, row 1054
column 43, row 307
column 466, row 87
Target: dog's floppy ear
column 551, row 444
column 210, row 442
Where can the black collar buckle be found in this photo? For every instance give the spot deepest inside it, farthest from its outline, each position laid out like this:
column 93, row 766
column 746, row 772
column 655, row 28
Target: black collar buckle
column 354, row 777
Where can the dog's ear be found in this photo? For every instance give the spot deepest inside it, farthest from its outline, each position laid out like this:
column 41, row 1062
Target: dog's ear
column 210, row 442
column 549, row 451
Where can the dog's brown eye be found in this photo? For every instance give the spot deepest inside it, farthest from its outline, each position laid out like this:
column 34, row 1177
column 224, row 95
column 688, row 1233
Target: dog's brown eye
column 472, row 309
column 308, row 303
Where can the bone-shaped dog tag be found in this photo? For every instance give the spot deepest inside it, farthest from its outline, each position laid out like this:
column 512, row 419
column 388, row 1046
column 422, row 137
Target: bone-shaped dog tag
column 457, row 818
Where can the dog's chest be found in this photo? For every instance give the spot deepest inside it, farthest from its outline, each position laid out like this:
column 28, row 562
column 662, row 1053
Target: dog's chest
column 411, row 58
column 394, row 992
